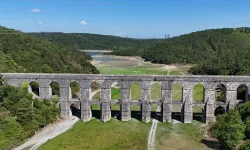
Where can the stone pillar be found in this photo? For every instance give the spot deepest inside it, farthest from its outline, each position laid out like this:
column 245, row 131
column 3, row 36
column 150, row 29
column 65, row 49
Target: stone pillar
column 231, row 97
column 105, row 101
column 64, row 99
column 166, row 98
column 44, row 89
column 86, row 113
column 125, row 101
column 209, row 103
column 44, row 92
column 145, row 102
column 187, row 110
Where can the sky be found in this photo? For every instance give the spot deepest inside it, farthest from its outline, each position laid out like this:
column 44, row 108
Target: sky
column 125, row 18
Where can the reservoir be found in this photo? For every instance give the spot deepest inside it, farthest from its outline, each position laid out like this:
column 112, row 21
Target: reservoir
column 98, row 56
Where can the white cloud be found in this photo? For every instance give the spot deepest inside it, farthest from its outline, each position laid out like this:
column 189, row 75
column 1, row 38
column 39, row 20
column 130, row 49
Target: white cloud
column 83, row 23
column 35, row 10
column 40, row 23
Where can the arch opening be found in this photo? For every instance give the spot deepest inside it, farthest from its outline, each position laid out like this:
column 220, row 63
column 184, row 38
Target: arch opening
column 55, row 90
column 96, row 111
column 75, row 90
column 177, row 112
column 156, row 112
column 136, row 111
column 155, row 92
column 198, row 93
column 34, row 87
column 155, row 96
column 177, row 92
column 95, row 88
column 242, row 93
column 115, row 98
column 219, row 111
column 198, row 113
column 135, row 91
column 76, row 110
column 220, row 93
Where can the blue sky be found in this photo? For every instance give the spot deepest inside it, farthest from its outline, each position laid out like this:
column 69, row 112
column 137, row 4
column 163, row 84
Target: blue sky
column 126, row 18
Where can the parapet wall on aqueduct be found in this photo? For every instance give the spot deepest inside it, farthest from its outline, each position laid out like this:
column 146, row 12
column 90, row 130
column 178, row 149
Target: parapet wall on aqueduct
column 125, row 81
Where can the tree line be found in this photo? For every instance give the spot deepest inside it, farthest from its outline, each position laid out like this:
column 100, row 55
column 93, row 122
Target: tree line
column 20, row 52
column 81, row 41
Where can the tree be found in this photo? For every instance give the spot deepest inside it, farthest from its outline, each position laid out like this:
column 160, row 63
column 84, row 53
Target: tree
column 245, row 146
column 1, row 80
column 247, row 132
column 229, row 129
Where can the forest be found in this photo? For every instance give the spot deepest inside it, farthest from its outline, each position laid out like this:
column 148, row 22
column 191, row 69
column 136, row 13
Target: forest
column 21, row 116
column 86, row 41
column 20, row 52
column 213, row 52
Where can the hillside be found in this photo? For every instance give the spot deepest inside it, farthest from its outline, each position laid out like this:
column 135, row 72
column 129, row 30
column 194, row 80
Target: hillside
column 94, row 41
column 218, row 51
column 20, row 52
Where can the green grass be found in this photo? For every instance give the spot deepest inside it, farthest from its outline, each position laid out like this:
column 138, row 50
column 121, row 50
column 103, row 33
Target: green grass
column 180, row 136
column 132, row 70
column 198, row 93
column 96, row 135
column 177, row 92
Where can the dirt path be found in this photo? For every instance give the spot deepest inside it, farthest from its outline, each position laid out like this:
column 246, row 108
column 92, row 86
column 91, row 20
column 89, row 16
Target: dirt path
column 48, row 133
column 151, row 136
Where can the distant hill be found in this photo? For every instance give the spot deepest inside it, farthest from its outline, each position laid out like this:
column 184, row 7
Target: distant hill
column 20, row 52
column 95, row 41
column 216, row 52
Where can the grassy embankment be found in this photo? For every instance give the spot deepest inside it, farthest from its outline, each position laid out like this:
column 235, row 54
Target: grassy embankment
column 96, row 135
column 180, row 136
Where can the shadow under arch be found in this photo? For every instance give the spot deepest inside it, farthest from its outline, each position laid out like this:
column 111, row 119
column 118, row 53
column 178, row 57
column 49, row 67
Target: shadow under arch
column 76, row 110
column 136, row 112
column 242, row 94
column 219, row 111
column 34, row 87
column 198, row 113
column 96, row 111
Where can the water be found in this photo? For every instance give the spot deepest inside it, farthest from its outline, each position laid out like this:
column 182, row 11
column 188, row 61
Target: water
column 104, row 58
column 95, row 53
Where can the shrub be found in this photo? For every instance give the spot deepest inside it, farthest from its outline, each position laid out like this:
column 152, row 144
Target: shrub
column 229, row 122
column 247, row 132
column 245, row 146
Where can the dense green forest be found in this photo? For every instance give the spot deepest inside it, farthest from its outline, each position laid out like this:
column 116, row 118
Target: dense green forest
column 96, row 41
column 218, row 51
column 215, row 52
column 21, row 116
column 20, row 52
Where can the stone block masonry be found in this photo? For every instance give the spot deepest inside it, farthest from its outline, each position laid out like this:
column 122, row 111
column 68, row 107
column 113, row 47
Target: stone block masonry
column 208, row 105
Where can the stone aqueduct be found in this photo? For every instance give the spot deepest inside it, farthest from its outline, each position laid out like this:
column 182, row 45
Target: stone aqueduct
column 125, row 81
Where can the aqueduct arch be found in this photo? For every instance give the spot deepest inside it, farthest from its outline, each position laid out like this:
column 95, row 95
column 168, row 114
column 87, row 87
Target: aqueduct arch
column 187, row 104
